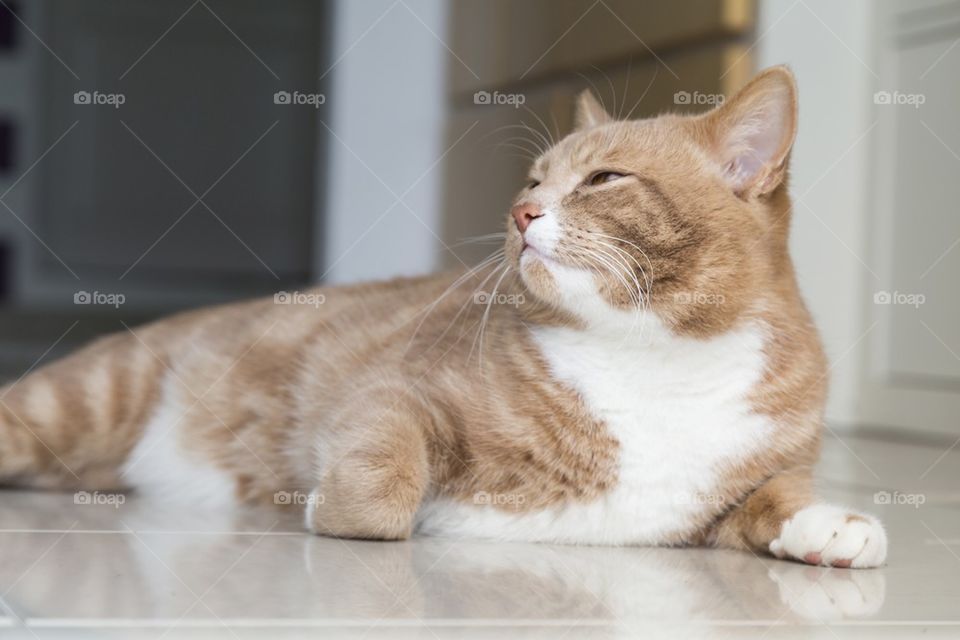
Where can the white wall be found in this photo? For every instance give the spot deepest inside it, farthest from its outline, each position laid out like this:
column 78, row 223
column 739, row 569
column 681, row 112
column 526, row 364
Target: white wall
column 387, row 107
column 830, row 169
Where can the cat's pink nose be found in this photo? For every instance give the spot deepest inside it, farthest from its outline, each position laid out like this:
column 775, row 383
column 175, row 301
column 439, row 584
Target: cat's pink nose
column 524, row 214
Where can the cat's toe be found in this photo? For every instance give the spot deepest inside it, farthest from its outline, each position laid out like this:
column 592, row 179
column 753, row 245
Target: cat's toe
column 832, row 536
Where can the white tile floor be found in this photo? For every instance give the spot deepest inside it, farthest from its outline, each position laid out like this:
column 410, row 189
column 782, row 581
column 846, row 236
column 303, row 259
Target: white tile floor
column 71, row 571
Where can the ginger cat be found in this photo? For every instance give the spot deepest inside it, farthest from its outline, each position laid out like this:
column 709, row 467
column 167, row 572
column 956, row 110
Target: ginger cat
column 641, row 370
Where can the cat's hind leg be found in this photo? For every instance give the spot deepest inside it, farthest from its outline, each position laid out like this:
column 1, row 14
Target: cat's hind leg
column 374, row 472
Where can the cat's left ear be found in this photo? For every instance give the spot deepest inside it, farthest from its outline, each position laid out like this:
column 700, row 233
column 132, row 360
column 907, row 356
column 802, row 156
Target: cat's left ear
column 589, row 112
column 753, row 132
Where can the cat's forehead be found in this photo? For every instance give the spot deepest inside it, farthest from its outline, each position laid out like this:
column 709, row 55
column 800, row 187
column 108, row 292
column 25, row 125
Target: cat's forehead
column 617, row 144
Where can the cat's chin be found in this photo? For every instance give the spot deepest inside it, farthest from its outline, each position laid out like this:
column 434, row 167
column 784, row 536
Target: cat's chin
column 530, row 253
column 564, row 286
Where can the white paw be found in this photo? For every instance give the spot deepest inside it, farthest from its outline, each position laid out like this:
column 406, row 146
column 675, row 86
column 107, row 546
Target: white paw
column 832, row 536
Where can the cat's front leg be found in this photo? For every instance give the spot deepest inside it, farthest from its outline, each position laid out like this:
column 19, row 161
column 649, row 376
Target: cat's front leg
column 373, row 474
column 783, row 518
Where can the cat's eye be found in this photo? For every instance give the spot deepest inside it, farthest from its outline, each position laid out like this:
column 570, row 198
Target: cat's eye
column 533, row 184
column 600, row 177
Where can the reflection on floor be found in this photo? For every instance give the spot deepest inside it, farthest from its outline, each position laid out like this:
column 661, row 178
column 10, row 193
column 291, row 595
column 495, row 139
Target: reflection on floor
column 130, row 570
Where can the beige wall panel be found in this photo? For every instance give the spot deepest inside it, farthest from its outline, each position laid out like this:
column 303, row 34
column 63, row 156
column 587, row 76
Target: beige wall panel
column 497, row 45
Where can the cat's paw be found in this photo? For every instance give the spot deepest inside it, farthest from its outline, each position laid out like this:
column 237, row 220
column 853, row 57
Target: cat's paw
column 832, row 536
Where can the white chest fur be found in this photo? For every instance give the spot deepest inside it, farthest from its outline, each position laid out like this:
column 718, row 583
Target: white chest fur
column 680, row 411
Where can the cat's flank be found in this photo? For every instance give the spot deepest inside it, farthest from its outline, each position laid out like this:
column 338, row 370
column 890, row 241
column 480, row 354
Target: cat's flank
column 636, row 366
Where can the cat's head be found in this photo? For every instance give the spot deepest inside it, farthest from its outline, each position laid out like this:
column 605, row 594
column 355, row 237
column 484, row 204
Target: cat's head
column 684, row 216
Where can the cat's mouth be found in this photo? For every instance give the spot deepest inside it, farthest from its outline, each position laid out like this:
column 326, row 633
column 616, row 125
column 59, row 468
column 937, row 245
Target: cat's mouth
column 532, row 253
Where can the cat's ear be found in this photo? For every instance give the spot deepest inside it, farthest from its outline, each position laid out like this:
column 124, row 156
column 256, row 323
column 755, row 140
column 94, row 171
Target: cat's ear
column 752, row 133
column 589, row 112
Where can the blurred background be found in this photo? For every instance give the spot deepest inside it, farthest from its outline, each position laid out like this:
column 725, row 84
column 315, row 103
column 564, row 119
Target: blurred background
column 156, row 156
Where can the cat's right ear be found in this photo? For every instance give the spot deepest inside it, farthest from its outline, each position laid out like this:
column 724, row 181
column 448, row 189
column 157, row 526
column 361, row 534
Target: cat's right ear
column 589, row 112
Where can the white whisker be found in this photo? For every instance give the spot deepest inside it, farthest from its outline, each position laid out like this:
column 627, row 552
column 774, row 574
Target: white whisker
column 543, row 139
column 543, row 124
column 486, row 315
column 471, row 299
column 487, row 237
column 496, row 255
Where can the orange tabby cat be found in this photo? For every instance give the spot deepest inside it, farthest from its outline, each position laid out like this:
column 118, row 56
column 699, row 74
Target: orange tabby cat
column 640, row 369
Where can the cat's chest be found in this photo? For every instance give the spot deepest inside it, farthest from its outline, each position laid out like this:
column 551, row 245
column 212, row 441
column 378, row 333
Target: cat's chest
column 679, row 384
column 679, row 408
